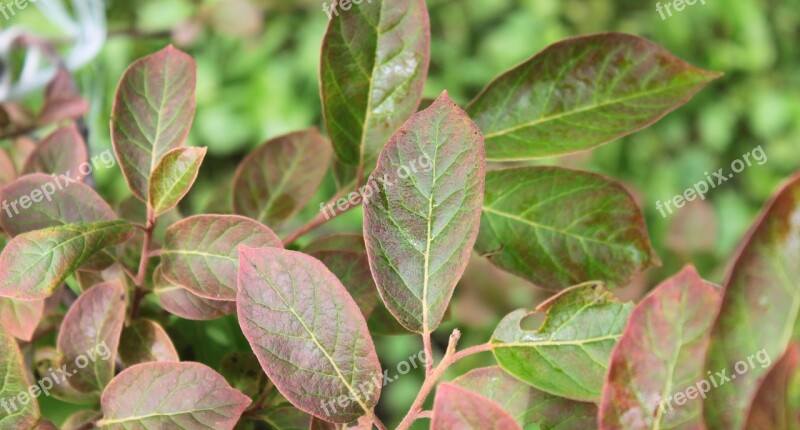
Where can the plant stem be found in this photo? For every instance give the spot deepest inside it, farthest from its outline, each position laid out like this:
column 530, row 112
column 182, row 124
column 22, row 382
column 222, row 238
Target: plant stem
column 427, row 347
column 144, row 262
column 377, row 421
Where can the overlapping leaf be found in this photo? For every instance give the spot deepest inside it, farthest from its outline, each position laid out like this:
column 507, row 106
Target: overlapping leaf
column 152, row 114
column 773, row 407
column 145, row 341
column 63, row 152
column 14, row 382
column 558, row 227
column 7, row 169
column 568, row 354
column 374, row 64
column 308, row 334
column 20, row 318
column 657, row 358
column 35, row 263
column 580, row 93
column 760, row 308
column 278, row 178
column 171, row 395
column 458, row 408
column 528, row 405
column 420, row 226
column 173, row 177
column 91, row 330
column 180, row 301
column 201, row 252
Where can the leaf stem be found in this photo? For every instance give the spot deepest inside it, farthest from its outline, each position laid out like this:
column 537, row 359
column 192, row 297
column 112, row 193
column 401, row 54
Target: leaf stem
column 428, row 348
column 144, row 262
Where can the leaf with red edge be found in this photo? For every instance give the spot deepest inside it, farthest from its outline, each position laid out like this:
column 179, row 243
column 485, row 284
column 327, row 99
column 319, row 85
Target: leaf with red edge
column 657, row 357
column 173, row 177
column 180, row 301
column 91, row 329
column 171, row 395
column 458, row 408
column 13, row 386
column 278, row 178
column 20, row 318
column 308, row 334
column 8, row 172
column 62, row 152
column 760, row 307
column 201, row 252
column 773, row 408
column 145, row 341
column 153, row 111
column 421, row 226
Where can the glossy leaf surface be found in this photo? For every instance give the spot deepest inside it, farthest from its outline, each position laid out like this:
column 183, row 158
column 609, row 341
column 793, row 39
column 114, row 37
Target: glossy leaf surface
column 173, row 177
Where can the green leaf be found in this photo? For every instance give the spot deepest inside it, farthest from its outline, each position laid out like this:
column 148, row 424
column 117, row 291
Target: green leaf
column 173, row 177
column 280, row 177
column 308, row 334
column 178, row 300
column 568, row 354
column 760, row 312
column 18, row 411
column 35, row 263
column 90, row 332
column 152, row 114
column 145, row 341
column 20, row 318
column 201, row 253
column 558, row 227
column 458, row 408
column 581, row 93
column 374, row 64
column 63, row 152
column 526, row 404
column 285, row 418
column 171, row 396
column 422, row 210
column 243, row 371
column 656, row 360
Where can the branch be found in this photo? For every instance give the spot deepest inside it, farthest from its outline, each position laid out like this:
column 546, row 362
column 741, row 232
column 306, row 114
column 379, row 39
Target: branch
column 144, row 262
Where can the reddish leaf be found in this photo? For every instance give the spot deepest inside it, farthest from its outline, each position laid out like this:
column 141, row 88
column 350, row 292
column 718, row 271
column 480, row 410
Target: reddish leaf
column 7, row 170
column 62, row 101
column 21, row 318
column 63, row 152
column 458, row 408
column 180, row 301
column 145, row 341
column 773, row 408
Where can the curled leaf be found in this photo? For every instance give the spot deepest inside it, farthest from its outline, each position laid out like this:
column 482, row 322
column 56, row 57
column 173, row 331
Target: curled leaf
column 173, row 177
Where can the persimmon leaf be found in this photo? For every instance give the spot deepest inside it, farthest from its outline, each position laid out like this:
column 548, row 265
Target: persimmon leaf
column 153, row 111
column 14, row 414
column 458, row 408
column 277, row 179
column 307, row 333
column 656, row 357
column 201, row 252
column 558, row 227
column 20, row 318
column 420, row 226
column 178, row 300
column 568, row 354
column 552, row 104
column 526, row 404
column 374, row 64
column 760, row 311
column 173, row 177
column 63, row 152
column 33, row 264
column 8, row 172
column 145, row 341
column 91, row 329
column 171, row 395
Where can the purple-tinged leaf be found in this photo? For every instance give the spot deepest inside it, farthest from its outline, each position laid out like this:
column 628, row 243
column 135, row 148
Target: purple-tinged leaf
column 173, row 177
column 171, row 396
column 62, row 100
column 308, row 334
column 656, row 360
column 552, row 104
column 567, row 355
column 773, row 407
column 180, row 301
column 145, row 341
column 201, row 252
column 458, row 408
column 8, row 172
column 90, row 332
column 20, row 318
column 278, row 178
column 152, row 114
column 50, row 204
column 35, row 263
column 374, row 64
column 528, row 405
column 18, row 411
column 558, row 227
column 760, row 308
column 420, row 226
column 63, row 152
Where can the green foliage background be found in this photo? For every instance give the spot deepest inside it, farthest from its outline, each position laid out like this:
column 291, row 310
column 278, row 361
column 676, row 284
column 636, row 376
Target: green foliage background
column 258, row 78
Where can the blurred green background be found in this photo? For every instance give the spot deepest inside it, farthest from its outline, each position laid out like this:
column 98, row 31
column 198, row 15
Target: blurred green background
column 258, row 66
